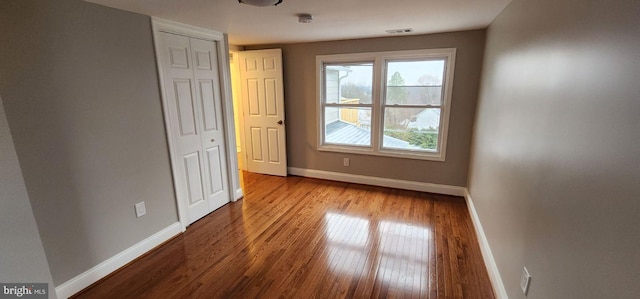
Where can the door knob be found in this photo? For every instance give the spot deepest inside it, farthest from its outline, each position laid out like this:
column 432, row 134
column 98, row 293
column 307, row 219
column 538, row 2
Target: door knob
column 280, row 122
column 213, row 140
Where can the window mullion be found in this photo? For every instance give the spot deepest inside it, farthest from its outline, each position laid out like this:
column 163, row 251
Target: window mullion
column 336, row 105
column 414, row 106
column 377, row 99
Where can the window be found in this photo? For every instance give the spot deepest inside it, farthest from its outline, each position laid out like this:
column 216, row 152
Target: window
column 387, row 103
column 348, row 103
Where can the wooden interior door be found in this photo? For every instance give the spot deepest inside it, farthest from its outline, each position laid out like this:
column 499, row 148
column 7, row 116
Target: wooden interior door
column 192, row 90
column 263, row 105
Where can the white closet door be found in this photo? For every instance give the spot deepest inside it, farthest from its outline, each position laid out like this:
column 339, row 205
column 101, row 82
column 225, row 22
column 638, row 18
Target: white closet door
column 192, row 90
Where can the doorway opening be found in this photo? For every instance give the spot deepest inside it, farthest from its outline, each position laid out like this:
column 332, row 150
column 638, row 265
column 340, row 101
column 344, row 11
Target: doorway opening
column 236, row 90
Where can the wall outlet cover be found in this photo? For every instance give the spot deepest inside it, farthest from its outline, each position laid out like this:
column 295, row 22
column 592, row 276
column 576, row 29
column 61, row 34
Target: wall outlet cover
column 345, row 162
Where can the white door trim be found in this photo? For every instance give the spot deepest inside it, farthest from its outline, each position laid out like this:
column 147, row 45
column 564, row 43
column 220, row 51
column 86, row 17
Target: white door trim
column 229, row 123
column 160, row 25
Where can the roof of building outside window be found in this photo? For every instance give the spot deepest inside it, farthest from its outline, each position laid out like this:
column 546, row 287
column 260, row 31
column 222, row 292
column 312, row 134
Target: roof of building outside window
column 345, row 133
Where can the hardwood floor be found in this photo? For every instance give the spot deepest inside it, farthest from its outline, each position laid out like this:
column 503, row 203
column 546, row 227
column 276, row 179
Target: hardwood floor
column 305, row 238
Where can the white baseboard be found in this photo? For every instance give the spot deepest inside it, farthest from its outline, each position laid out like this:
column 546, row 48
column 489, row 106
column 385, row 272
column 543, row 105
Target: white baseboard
column 238, row 194
column 376, row 181
column 103, row 269
column 489, row 261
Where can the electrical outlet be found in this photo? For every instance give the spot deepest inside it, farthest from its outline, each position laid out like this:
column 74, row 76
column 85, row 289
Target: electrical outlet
column 345, row 162
column 524, row 281
column 141, row 209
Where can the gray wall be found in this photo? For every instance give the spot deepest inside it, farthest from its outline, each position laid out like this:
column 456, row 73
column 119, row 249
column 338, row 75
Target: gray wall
column 556, row 161
column 82, row 100
column 22, row 257
column 300, row 101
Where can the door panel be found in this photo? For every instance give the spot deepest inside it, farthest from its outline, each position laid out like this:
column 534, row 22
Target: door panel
column 269, row 63
column 274, row 147
column 209, row 110
column 184, row 103
column 194, row 181
column 251, row 64
column 215, row 179
column 263, row 99
column 271, row 97
column 203, row 60
column 254, row 97
column 256, row 144
column 197, row 207
column 178, row 57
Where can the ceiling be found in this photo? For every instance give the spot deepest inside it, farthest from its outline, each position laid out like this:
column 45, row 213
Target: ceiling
column 332, row 19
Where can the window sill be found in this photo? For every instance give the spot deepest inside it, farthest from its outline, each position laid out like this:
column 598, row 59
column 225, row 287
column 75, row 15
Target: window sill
column 439, row 157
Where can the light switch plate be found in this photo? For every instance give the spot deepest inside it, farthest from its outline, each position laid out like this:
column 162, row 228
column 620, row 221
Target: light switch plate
column 141, row 209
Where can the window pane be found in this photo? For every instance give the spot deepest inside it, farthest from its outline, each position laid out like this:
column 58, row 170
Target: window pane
column 348, row 83
column 348, row 126
column 414, row 95
column 411, row 128
column 414, row 82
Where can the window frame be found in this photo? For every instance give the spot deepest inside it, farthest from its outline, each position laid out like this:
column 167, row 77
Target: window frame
column 378, row 99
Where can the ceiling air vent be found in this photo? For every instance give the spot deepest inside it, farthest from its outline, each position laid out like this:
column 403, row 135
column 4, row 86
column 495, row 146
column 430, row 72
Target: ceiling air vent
column 399, row 31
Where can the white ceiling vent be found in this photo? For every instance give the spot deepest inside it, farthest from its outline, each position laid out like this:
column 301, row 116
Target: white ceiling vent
column 399, row 31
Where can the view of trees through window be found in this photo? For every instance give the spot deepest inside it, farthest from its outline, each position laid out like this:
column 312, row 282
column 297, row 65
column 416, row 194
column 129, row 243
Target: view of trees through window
column 412, row 105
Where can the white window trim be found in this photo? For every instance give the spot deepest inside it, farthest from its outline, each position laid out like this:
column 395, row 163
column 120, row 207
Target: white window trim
column 379, row 65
